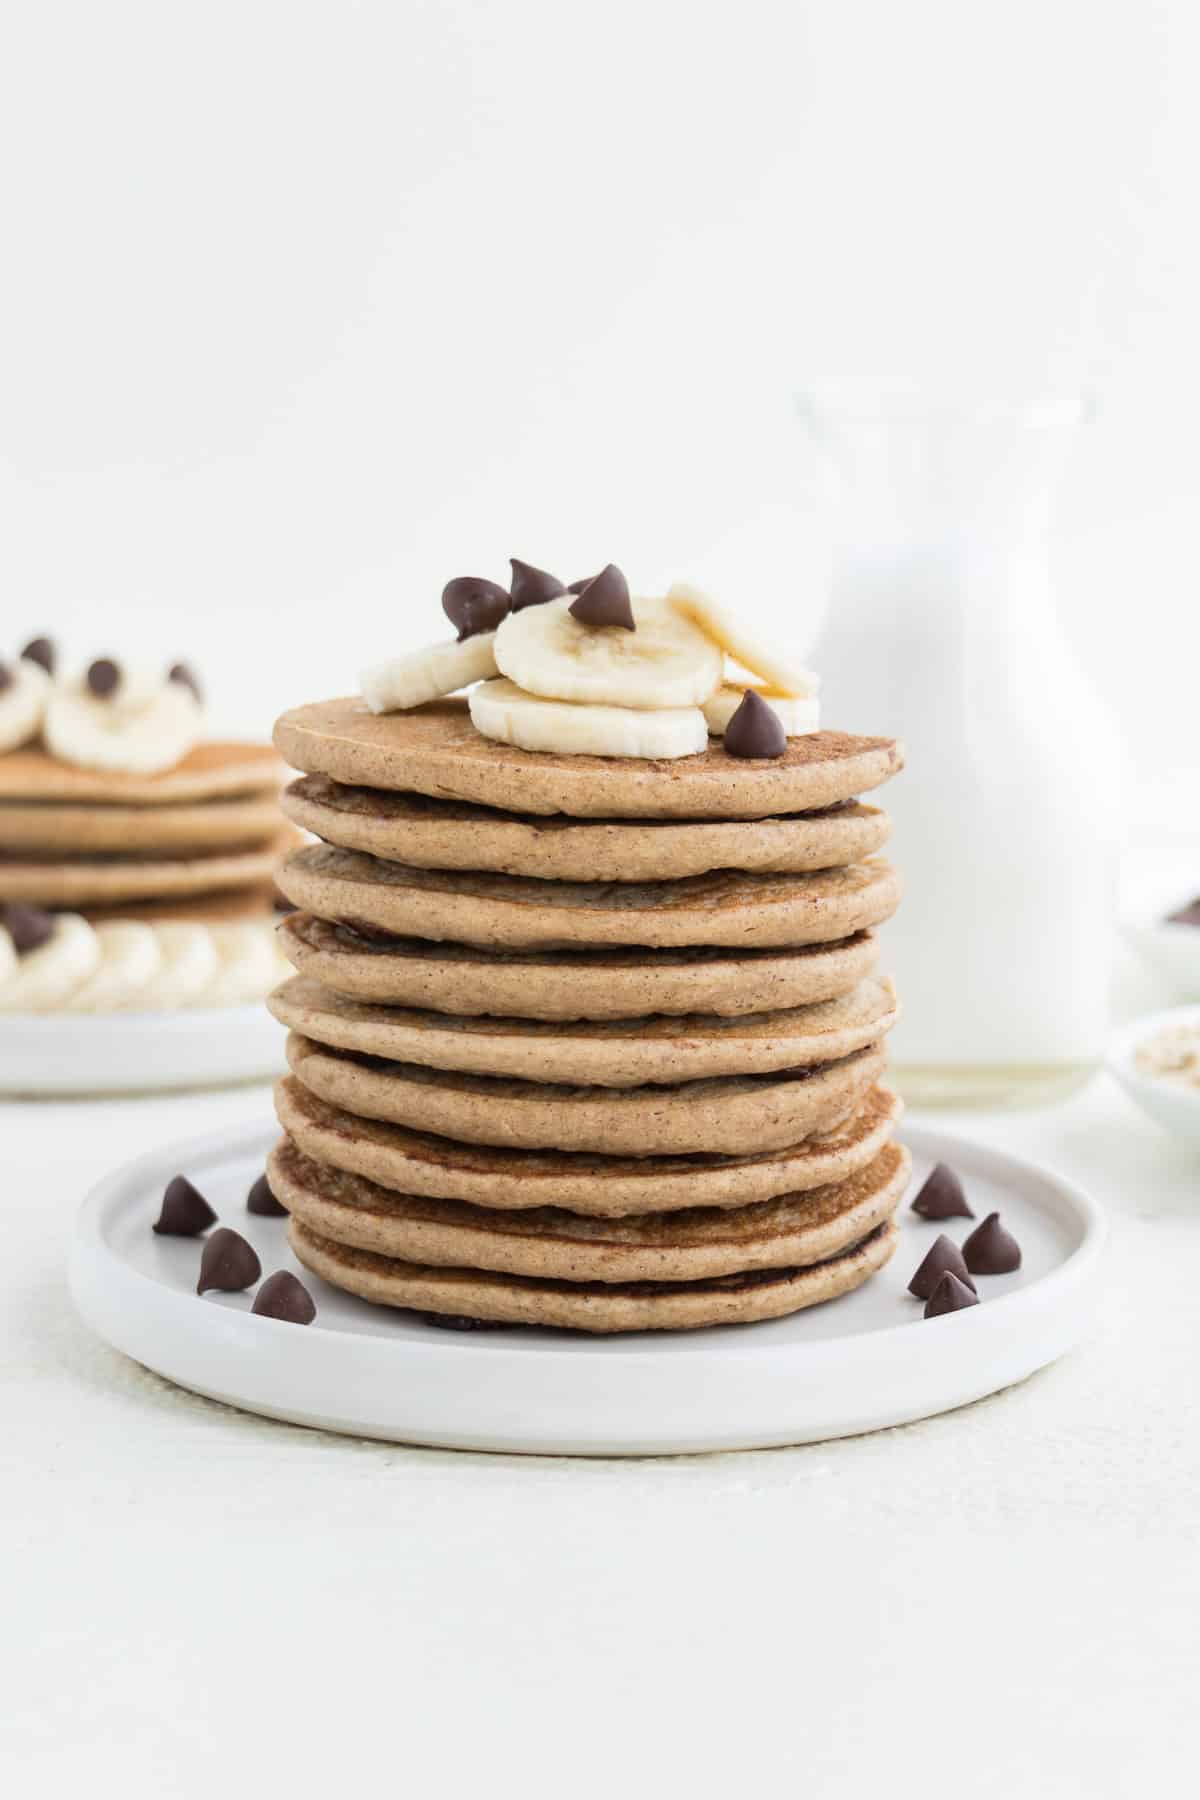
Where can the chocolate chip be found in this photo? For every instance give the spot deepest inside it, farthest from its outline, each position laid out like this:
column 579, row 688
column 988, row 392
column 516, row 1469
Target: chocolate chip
column 532, row 587
column 185, row 1212
column 228, row 1263
column 990, row 1250
column 281, row 1296
column 473, row 605
column 6, row 677
column 577, row 587
column 942, row 1196
column 29, row 927
column 754, row 730
column 1187, row 915
column 104, row 677
column 261, row 1200
column 184, row 676
column 950, row 1295
column 42, row 652
column 605, row 601
column 943, row 1255
column 458, row 1322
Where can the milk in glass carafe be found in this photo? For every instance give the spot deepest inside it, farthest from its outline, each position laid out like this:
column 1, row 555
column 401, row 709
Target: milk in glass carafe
column 942, row 631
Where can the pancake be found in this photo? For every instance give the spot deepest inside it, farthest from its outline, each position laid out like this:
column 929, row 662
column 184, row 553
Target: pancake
column 580, row 984
column 209, row 772
column 621, row 1053
column 698, row 1244
column 442, row 834
column 435, row 750
column 99, row 881
column 724, row 908
column 416, row 1163
column 591, row 1306
column 730, row 1115
column 64, row 829
column 228, row 907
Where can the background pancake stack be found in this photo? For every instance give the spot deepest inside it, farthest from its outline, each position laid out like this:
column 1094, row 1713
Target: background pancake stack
column 583, row 1042
column 87, row 839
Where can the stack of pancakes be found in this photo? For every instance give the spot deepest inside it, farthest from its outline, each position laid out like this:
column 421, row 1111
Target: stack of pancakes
column 89, row 840
column 584, row 1042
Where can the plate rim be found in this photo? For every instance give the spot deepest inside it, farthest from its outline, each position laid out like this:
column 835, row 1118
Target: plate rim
column 255, row 1139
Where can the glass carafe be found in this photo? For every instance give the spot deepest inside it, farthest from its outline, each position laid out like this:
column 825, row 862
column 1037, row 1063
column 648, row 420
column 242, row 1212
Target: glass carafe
column 942, row 631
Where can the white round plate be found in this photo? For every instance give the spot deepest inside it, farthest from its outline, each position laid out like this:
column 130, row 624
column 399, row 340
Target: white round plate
column 126, row 1053
column 855, row 1364
column 1170, row 1104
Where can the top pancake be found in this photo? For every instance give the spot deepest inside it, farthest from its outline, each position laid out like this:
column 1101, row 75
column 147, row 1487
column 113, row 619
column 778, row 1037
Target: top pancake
column 436, row 750
column 209, row 772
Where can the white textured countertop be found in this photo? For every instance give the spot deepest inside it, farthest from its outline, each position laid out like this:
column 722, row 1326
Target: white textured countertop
column 1005, row 1595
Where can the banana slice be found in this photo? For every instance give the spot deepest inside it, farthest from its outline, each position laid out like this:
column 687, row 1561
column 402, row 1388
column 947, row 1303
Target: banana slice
column 129, row 960
column 408, row 681
column 500, row 710
column 666, row 663
column 798, row 716
column 24, row 686
column 189, row 963
column 150, row 730
column 723, row 627
column 44, row 978
column 246, row 969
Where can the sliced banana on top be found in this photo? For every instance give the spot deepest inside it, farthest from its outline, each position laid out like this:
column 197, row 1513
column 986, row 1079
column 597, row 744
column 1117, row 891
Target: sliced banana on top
column 24, row 687
column 665, row 663
column 723, row 627
column 499, row 709
column 407, row 681
column 797, row 714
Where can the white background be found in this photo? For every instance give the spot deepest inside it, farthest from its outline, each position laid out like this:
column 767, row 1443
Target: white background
column 307, row 307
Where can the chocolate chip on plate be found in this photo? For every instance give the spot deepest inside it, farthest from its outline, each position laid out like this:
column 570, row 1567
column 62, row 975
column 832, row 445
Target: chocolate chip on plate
column 186, row 677
column 261, row 1200
column 943, row 1255
column 281, row 1296
column 473, row 605
column 950, row 1295
column 40, row 650
column 605, row 601
column 754, row 730
column 29, row 927
column 185, row 1212
column 104, row 677
column 991, row 1250
column 577, row 587
column 532, row 587
column 228, row 1263
column 942, row 1196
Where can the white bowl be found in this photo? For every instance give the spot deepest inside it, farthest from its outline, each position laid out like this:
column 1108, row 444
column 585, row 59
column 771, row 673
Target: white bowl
column 1170, row 1104
column 1172, row 950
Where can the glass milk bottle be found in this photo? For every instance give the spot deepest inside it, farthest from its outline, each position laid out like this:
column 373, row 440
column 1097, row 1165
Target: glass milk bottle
column 941, row 631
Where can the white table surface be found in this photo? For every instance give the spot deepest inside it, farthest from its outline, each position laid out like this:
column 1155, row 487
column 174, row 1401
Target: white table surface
column 1002, row 1598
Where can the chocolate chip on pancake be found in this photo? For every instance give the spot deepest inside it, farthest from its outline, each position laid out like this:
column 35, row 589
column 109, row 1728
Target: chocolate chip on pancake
column 532, row 587
column 103, row 677
column 181, row 673
column 605, row 601
column 755, row 732
column 473, row 604
column 29, row 927
column 41, row 650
